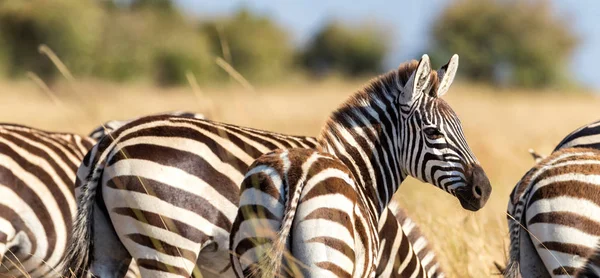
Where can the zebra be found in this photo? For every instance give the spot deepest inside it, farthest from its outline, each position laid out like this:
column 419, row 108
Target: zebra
column 408, row 253
column 557, row 201
column 181, row 176
column 38, row 203
column 308, row 178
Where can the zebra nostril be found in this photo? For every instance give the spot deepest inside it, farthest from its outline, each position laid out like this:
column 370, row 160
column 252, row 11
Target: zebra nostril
column 477, row 191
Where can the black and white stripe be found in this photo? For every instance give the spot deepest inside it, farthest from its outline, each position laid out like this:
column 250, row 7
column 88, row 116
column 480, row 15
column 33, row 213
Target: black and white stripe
column 587, row 136
column 326, row 240
column 109, row 126
column 301, row 208
column 194, row 167
column 37, row 203
column 558, row 202
column 404, row 251
column 180, row 177
column 353, row 138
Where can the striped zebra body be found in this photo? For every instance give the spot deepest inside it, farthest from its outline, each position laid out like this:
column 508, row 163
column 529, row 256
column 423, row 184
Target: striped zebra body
column 587, row 136
column 283, row 196
column 180, row 177
column 194, row 167
column 109, row 126
column 38, row 205
column 38, row 202
column 558, row 202
column 404, row 251
column 274, row 178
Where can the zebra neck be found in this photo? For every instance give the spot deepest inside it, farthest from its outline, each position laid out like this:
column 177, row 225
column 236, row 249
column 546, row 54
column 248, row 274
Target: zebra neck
column 364, row 135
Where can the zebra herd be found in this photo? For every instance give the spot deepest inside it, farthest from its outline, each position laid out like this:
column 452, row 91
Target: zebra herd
column 177, row 195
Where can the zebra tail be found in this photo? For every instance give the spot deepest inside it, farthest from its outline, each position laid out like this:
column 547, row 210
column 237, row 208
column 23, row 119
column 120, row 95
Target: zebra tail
column 512, row 270
column 77, row 260
column 271, row 263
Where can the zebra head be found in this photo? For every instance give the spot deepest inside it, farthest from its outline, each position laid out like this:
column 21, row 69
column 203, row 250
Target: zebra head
column 434, row 147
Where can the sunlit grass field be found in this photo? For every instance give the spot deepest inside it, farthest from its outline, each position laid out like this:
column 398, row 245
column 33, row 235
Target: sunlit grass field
column 499, row 125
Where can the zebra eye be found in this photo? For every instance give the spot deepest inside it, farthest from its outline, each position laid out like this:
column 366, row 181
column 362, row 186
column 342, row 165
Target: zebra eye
column 433, row 133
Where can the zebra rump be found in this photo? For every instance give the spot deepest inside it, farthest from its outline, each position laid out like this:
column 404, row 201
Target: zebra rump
column 555, row 201
column 305, row 204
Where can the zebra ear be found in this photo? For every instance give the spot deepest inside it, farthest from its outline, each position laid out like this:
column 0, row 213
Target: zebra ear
column 447, row 73
column 422, row 75
column 419, row 81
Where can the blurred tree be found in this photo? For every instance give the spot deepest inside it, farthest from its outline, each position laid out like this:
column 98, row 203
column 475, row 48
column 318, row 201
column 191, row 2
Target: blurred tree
column 254, row 45
column 124, row 46
column 519, row 43
column 345, row 50
column 142, row 43
column 163, row 6
column 183, row 50
column 70, row 28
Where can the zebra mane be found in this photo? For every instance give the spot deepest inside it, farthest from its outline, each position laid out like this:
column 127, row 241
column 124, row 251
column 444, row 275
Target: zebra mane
column 378, row 89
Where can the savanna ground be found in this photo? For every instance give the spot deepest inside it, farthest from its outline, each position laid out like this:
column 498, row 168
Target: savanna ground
column 499, row 125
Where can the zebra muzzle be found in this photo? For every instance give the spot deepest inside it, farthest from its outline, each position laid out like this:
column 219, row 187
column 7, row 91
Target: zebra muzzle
column 477, row 191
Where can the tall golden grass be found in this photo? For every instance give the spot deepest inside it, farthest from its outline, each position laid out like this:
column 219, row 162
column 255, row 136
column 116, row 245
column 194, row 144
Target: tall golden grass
column 500, row 127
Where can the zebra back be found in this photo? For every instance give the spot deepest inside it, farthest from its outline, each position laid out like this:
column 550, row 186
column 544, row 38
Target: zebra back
column 110, row 126
column 587, row 136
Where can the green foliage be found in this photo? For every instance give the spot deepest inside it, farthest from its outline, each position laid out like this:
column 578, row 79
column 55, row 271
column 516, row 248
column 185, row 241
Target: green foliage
column 70, row 28
column 4, row 57
column 150, row 39
column 513, row 42
column 143, row 44
column 257, row 48
column 124, row 47
column 179, row 51
column 153, row 4
column 345, row 50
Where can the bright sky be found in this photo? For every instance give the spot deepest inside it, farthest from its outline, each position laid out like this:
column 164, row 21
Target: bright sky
column 408, row 22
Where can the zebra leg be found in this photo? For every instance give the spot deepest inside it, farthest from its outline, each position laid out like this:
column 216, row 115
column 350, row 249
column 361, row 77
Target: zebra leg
column 110, row 258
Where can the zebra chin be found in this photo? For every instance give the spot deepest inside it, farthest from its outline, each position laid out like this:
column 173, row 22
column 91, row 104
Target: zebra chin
column 474, row 195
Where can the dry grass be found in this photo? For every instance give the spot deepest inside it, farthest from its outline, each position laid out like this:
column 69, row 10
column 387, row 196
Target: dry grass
column 500, row 127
